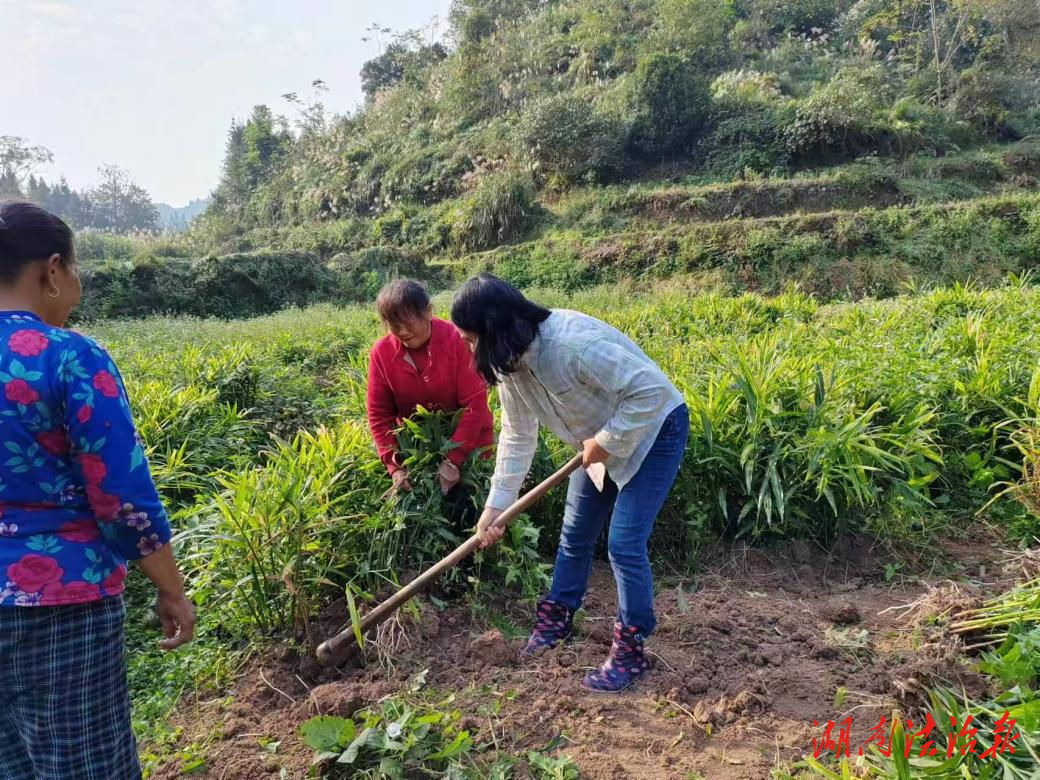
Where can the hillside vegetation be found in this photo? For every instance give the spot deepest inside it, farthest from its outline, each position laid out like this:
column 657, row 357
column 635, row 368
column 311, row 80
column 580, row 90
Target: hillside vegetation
column 851, row 147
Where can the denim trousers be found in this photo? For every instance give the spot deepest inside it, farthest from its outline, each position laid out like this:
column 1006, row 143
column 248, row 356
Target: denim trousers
column 632, row 511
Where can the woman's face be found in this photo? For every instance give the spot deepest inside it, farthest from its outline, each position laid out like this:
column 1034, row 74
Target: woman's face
column 413, row 331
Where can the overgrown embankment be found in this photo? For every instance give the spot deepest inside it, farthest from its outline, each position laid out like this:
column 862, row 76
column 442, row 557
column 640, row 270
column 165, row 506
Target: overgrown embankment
column 865, row 230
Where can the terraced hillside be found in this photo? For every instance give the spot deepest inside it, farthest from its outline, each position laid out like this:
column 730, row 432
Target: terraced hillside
column 868, row 228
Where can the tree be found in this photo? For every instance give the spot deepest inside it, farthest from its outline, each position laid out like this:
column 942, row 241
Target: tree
column 846, row 114
column 470, row 21
column 406, row 59
column 383, row 71
column 70, row 205
column 233, row 189
column 566, row 139
column 38, row 191
column 670, row 102
column 118, row 204
column 265, row 140
column 1015, row 27
column 933, row 37
column 18, row 159
column 478, row 26
column 251, row 156
column 313, row 120
column 254, row 154
column 59, row 199
column 9, row 186
column 952, row 25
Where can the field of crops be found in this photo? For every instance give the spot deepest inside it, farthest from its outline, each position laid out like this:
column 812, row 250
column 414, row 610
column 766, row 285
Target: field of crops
column 811, row 424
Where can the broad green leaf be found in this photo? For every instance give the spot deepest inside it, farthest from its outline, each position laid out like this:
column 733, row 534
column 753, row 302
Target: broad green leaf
column 327, row 732
column 362, row 740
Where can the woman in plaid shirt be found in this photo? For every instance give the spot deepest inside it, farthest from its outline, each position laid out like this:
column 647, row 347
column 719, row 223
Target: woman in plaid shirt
column 596, row 390
column 76, row 505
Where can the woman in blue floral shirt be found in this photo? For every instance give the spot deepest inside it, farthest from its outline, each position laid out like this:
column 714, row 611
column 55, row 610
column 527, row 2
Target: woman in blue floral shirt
column 76, row 504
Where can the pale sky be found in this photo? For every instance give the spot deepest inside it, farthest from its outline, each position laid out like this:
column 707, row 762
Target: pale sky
column 152, row 86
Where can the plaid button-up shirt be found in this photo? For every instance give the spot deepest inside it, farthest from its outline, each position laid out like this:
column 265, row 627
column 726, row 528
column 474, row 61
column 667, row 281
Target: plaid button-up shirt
column 581, row 379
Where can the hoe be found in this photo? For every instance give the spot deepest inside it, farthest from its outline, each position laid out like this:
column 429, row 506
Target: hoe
column 337, row 649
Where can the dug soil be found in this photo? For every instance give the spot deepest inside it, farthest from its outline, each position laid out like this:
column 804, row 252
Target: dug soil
column 752, row 659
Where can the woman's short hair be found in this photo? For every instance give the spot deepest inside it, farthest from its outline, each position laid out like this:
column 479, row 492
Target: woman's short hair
column 503, row 320
column 29, row 233
column 402, row 299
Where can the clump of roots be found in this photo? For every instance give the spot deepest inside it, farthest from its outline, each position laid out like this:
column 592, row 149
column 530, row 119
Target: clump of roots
column 939, row 606
column 396, row 637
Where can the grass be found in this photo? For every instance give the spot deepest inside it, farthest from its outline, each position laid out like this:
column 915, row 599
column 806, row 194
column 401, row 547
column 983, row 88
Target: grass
column 870, row 182
column 837, row 255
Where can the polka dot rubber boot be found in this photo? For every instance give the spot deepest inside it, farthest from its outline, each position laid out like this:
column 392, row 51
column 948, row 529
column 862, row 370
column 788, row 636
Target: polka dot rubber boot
column 553, row 624
column 627, row 662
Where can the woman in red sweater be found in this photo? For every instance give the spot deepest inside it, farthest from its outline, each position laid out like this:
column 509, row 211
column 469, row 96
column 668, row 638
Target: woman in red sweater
column 422, row 361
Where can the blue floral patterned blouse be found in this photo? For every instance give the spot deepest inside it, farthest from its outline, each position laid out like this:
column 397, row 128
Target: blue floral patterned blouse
column 76, row 498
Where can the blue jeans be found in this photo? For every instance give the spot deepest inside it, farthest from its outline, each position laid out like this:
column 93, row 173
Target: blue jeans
column 635, row 509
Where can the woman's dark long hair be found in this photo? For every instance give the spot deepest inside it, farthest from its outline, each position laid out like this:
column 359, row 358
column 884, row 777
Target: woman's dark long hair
column 504, row 321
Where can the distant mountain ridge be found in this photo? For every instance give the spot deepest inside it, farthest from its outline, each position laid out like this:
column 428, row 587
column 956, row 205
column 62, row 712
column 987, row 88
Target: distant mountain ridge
column 176, row 219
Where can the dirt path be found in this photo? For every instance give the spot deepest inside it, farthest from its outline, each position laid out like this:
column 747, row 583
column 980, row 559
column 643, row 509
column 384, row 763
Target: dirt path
column 767, row 643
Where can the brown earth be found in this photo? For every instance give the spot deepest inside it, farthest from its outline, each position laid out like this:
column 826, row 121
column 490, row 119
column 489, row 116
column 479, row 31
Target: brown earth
column 768, row 643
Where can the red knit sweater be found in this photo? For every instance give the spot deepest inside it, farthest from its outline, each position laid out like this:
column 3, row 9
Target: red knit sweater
column 445, row 379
